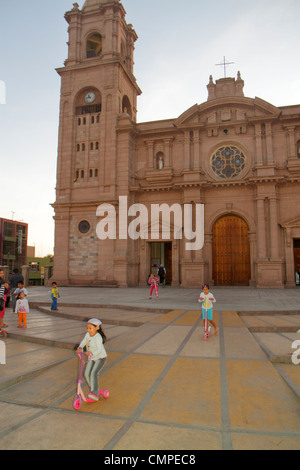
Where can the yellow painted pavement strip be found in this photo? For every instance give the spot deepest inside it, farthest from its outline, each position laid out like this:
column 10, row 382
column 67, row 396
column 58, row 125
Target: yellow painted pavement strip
column 53, row 431
column 128, row 381
column 293, row 372
column 189, row 394
column 159, row 437
column 231, row 318
column 259, row 399
column 168, row 317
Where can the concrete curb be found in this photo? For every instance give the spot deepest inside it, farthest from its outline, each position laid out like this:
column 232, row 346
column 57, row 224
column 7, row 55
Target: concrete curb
column 34, row 304
column 85, row 318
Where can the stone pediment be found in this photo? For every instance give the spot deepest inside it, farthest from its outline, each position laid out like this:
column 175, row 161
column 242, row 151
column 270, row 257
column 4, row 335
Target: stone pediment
column 222, row 110
column 291, row 223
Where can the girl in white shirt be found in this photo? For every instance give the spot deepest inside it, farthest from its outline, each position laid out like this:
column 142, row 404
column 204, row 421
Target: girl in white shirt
column 94, row 342
column 207, row 298
column 22, row 308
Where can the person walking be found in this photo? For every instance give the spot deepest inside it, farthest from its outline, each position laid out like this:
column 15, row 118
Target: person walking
column 153, row 281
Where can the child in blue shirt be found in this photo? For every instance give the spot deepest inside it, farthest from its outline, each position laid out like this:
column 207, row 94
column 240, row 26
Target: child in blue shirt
column 54, row 296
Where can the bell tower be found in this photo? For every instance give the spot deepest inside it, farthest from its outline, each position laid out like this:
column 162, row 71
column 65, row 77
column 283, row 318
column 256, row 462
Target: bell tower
column 97, row 88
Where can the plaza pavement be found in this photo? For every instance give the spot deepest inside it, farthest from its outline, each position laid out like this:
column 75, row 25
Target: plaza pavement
column 169, row 390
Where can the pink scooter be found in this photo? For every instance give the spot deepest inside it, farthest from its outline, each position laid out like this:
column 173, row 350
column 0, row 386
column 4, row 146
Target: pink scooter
column 3, row 333
column 80, row 396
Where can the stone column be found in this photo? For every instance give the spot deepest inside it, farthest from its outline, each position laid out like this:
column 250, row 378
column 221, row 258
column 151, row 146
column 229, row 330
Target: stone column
column 252, row 239
column 167, row 143
column 187, row 151
column 197, row 150
column 291, row 140
column 274, row 230
column 175, row 263
column 289, row 258
column 270, row 159
column 25, row 274
column 258, row 140
column 47, row 274
column 150, row 146
column 261, row 227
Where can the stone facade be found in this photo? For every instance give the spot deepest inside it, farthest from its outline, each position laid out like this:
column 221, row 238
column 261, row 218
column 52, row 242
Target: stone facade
column 238, row 156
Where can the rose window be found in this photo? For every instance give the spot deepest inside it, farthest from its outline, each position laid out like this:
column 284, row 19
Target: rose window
column 228, row 162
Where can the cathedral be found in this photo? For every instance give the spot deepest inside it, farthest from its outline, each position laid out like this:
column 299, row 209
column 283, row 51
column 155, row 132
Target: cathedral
column 236, row 156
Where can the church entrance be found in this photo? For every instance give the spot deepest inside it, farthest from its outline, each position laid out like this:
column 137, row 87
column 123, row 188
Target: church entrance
column 161, row 253
column 231, row 252
column 297, row 260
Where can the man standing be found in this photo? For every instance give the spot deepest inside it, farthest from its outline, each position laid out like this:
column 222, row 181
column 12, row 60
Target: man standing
column 162, row 274
column 13, row 283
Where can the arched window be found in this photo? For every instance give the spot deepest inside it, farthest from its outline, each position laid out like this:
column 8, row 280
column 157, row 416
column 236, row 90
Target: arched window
column 298, row 149
column 94, row 45
column 126, row 106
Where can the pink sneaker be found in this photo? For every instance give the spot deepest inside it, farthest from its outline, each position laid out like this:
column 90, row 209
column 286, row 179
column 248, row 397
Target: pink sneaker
column 91, row 396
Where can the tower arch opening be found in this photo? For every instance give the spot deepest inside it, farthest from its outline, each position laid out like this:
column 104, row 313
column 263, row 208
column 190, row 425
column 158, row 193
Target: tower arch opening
column 93, row 45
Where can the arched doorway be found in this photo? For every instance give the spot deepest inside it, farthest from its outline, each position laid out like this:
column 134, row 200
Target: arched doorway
column 231, row 252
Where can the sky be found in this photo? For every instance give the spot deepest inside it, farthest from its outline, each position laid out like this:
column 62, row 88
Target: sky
column 179, row 44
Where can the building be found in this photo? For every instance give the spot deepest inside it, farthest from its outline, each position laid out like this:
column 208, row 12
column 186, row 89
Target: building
column 238, row 156
column 13, row 244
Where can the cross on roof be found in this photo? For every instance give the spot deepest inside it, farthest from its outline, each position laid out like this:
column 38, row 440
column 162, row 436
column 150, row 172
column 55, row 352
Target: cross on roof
column 224, row 64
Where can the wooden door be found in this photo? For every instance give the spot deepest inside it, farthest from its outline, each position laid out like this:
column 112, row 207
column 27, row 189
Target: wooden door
column 231, row 252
